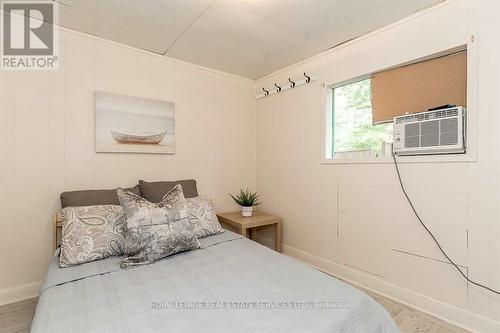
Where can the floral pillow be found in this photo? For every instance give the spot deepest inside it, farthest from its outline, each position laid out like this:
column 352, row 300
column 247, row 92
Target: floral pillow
column 155, row 230
column 202, row 217
column 91, row 233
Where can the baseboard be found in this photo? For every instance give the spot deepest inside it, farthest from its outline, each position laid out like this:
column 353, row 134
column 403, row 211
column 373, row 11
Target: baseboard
column 447, row 312
column 19, row 293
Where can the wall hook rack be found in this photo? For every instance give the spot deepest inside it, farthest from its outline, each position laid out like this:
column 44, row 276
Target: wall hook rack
column 279, row 88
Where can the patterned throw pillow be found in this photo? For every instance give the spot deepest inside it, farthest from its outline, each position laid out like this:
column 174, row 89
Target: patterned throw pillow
column 155, row 230
column 202, row 217
column 91, row 233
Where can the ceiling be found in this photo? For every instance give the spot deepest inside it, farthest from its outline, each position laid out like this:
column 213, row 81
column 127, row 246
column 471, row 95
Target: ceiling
column 249, row 38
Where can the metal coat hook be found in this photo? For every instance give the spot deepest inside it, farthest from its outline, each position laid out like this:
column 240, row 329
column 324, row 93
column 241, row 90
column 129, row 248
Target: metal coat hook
column 308, row 78
column 284, row 86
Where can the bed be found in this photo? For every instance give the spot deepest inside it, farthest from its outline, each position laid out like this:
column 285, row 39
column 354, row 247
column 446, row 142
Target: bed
column 230, row 284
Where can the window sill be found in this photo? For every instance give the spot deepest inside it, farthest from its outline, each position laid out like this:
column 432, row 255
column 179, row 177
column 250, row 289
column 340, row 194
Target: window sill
column 451, row 158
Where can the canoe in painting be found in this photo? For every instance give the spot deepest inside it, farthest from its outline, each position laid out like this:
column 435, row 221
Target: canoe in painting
column 137, row 138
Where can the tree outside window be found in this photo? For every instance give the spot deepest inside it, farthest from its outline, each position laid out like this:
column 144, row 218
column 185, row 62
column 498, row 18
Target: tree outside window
column 353, row 132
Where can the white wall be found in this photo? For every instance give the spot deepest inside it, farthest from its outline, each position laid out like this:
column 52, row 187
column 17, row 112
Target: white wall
column 47, row 141
column 352, row 219
column 348, row 219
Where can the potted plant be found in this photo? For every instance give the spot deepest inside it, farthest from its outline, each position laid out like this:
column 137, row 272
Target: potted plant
column 247, row 200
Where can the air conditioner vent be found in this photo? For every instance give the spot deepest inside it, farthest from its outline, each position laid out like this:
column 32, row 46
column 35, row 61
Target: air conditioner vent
column 412, row 137
column 430, row 133
column 427, row 116
column 449, row 135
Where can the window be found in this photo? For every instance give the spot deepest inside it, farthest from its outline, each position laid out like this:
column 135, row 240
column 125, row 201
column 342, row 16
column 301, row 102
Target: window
column 360, row 113
column 353, row 134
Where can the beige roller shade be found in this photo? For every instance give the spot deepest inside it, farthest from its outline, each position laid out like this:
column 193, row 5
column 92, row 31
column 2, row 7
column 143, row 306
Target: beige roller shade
column 420, row 86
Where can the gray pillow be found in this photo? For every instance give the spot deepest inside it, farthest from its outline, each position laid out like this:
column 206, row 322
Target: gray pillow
column 155, row 231
column 154, row 191
column 202, row 217
column 93, row 197
column 91, row 233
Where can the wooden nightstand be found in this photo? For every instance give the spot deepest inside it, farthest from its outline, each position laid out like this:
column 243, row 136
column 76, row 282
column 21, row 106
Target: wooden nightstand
column 244, row 225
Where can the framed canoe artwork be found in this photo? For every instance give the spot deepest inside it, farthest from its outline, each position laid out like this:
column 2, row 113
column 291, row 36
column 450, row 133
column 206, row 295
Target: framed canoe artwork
column 127, row 124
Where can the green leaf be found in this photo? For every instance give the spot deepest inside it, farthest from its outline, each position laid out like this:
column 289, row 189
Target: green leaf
column 246, row 198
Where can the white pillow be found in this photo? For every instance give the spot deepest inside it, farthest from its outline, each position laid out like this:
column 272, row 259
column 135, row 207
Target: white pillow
column 202, row 216
column 155, row 230
column 91, row 233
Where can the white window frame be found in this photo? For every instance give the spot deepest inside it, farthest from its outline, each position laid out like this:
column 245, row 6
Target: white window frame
column 471, row 118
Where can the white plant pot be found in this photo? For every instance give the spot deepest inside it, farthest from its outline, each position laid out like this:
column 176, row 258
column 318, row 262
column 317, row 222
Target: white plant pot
column 246, row 211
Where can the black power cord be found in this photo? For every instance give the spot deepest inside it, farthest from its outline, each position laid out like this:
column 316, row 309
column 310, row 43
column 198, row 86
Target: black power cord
column 432, row 235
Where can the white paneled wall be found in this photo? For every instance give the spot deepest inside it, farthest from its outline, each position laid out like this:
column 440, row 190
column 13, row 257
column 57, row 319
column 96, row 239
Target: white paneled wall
column 352, row 219
column 47, row 141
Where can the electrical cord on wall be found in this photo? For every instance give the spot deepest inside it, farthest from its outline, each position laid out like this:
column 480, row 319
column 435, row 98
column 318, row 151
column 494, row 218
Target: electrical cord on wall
column 432, row 235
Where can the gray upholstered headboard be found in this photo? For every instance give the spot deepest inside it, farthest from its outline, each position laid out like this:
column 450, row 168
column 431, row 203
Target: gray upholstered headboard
column 151, row 191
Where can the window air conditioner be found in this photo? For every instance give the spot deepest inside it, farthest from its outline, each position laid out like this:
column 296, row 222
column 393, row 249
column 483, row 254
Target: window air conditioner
column 431, row 132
